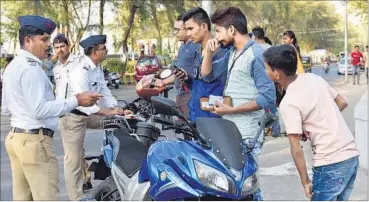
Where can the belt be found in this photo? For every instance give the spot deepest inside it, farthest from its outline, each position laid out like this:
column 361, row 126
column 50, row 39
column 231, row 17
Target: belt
column 45, row 131
column 77, row 112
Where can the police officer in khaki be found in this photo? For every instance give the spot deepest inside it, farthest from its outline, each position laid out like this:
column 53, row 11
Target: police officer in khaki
column 86, row 76
column 29, row 100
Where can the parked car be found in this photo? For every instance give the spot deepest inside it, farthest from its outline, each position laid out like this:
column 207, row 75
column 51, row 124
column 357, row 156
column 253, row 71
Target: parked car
column 146, row 65
column 306, row 61
column 341, row 66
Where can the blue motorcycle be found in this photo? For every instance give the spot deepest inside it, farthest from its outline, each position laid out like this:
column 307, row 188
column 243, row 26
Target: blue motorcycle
column 216, row 165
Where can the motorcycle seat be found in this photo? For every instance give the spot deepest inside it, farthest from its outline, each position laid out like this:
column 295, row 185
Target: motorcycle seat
column 132, row 153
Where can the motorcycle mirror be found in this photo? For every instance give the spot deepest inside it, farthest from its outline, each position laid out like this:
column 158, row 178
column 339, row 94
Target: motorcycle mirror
column 165, row 74
column 121, row 103
column 268, row 120
column 165, row 106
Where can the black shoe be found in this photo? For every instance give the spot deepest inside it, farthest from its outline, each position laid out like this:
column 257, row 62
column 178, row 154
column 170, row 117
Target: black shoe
column 87, row 186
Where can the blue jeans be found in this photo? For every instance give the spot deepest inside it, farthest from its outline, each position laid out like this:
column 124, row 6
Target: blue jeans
column 335, row 182
column 258, row 196
column 356, row 73
column 276, row 128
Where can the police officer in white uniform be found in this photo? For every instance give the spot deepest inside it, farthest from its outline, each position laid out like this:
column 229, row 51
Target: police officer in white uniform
column 29, row 100
column 86, row 76
column 65, row 61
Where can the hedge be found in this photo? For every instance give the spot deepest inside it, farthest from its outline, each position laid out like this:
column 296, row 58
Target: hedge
column 2, row 62
column 116, row 65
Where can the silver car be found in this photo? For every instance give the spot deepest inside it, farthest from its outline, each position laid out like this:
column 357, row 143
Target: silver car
column 341, row 66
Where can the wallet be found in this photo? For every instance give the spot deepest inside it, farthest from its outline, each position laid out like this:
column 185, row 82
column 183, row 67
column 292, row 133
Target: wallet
column 207, row 103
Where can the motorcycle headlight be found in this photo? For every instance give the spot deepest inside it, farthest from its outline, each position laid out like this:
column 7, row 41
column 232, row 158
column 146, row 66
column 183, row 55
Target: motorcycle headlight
column 213, row 178
column 250, row 185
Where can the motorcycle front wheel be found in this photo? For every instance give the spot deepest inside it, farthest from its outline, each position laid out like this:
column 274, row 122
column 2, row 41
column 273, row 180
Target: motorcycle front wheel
column 106, row 191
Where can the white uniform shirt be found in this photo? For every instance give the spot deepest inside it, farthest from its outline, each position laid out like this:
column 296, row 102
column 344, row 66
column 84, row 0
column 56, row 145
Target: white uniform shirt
column 86, row 76
column 28, row 96
column 61, row 75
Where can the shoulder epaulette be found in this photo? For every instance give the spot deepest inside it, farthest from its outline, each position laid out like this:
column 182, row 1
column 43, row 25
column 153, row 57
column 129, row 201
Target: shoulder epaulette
column 31, row 62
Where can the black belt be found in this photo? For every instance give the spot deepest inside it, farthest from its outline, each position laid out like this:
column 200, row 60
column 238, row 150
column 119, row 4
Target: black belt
column 77, row 112
column 45, row 131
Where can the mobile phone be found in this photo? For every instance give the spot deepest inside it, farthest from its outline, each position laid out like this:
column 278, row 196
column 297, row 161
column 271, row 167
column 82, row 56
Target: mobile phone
column 176, row 68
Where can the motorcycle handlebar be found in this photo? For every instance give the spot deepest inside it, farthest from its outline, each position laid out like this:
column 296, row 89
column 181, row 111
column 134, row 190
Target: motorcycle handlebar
column 163, row 121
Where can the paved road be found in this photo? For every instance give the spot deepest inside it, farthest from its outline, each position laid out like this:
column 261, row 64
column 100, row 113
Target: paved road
column 279, row 179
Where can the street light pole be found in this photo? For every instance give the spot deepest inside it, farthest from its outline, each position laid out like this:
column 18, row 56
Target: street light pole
column 367, row 42
column 346, row 52
column 207, row 6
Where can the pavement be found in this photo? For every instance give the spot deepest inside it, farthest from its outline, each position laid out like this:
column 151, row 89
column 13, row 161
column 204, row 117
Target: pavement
column 278, row 175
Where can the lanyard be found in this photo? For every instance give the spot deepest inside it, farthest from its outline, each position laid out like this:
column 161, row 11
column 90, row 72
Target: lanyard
column 233, row 63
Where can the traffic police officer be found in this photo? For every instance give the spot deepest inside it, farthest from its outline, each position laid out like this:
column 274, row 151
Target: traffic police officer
column 65, row 61
column 29, row 100
column 86, row 76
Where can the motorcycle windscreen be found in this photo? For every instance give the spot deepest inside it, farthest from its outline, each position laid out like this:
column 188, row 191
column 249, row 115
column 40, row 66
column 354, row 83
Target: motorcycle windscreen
column 225, row 138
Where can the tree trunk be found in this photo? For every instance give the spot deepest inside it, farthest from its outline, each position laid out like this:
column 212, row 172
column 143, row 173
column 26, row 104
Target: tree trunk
column 169, row 11
column 182, row 9
column 82, row 27
column 133, row 9
column 101, row 27
column 66, row 19
column 37, row 7
column 156, row 23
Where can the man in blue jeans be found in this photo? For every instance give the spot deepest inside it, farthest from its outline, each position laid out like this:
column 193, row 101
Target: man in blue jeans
column 313, row 112
column 251, row 90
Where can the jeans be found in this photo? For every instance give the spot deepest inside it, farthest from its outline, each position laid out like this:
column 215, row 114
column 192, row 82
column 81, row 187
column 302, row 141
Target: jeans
column 276, row 128
column 334, row 182
column 356, row 71
column 258, row 196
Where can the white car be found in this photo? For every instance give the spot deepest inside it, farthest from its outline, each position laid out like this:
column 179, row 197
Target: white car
column 341, row 66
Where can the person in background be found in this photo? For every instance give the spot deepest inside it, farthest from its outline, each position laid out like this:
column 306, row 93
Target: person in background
column 259, row 37
column 142, row 50
column 289, row 37
column 48, row 67
column 366, row 59
column 311, row 109
column 356, row 61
